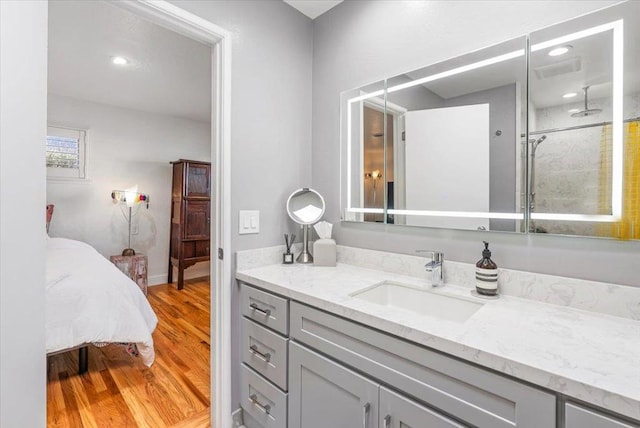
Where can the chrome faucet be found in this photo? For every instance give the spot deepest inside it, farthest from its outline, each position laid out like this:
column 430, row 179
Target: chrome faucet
column 435, row 267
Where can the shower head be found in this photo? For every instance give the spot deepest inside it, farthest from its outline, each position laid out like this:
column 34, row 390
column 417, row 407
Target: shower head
column 587, row 111
column 536, row 143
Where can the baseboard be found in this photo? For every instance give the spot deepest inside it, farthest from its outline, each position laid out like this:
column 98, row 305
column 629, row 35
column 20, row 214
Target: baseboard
column 157, row 280
column 198, row 271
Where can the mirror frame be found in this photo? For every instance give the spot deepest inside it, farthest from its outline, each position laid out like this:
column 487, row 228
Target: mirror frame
column 614, row 25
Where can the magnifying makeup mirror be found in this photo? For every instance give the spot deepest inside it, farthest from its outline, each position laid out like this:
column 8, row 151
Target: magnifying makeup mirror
column 306, row 207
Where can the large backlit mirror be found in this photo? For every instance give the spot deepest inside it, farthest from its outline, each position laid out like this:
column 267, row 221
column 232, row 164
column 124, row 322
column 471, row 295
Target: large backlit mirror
column 467, row 144
column 584, row 125
column 440, row 146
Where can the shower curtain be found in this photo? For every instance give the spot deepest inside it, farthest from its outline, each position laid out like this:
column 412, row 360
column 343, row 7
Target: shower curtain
column 629, row 226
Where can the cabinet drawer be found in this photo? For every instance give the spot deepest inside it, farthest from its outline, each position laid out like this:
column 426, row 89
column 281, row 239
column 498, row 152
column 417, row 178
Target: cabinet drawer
column 265, row 308
column 265, row 351
column 580, row 417
column 263, row 401
column 472, row 394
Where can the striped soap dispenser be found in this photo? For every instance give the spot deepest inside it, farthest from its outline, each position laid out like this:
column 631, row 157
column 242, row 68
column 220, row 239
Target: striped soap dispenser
column 486, row 274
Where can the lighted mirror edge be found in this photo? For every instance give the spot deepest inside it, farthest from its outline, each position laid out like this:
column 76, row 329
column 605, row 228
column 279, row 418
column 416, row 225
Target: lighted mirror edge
column 366, row 210
column 458, row 70
column 576, row 217
column 425, row 213
column 501, row 216
column 577, row 35
column 617, row 134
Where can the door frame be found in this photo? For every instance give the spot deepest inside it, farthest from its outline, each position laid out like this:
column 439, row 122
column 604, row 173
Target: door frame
column 190, row 25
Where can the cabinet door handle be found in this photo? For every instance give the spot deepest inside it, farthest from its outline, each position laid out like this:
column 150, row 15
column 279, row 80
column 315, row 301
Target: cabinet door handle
column 255, row 307
column 365, row 415
column 265, row 407
column 266, row 356
column 387, row 421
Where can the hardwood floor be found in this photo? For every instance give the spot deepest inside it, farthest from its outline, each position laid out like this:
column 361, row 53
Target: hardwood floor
column 119, row 391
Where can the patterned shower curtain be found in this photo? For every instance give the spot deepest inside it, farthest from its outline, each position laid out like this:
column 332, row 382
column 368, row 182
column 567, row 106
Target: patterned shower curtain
column 629, row 226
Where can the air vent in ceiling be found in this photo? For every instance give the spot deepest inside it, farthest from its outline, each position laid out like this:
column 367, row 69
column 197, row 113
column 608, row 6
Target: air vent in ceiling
column 570, row 65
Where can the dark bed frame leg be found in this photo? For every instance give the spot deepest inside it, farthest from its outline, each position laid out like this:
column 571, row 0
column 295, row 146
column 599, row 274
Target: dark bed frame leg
column 83, row 359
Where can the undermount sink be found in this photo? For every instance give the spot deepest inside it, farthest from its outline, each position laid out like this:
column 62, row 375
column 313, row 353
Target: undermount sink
column 420, row 301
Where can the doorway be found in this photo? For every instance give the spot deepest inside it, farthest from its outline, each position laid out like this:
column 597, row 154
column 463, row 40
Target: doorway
column 196, row 28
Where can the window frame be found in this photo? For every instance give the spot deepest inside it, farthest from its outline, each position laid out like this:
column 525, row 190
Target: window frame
column 70, row 174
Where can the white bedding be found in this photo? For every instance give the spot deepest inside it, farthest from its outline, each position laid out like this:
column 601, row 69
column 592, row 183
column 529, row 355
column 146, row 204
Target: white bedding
column 90, row 301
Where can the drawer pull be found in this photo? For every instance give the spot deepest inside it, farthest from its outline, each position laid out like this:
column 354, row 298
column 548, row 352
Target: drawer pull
column 365, row 415
column 265, row 407
column 387, row 421
column 266, row 356
column 255, row 307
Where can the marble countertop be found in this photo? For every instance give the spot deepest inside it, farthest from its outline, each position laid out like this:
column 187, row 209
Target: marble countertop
column 585, row 355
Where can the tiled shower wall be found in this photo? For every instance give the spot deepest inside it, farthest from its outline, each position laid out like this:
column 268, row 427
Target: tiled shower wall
column 568, row 163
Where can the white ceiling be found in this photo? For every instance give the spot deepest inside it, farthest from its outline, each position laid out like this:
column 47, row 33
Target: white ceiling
column 313, row 8
column 168, row 74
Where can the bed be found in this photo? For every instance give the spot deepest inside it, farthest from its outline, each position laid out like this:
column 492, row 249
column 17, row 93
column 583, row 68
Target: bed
column 89, row 301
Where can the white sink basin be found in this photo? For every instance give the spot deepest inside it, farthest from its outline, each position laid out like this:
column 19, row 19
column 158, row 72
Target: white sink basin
column 419, row 301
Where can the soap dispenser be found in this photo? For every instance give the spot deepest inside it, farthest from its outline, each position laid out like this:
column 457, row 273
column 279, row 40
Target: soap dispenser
column 486, row 274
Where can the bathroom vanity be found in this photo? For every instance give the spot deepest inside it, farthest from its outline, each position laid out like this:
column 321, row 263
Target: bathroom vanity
column 322, row 348
column 457, row 145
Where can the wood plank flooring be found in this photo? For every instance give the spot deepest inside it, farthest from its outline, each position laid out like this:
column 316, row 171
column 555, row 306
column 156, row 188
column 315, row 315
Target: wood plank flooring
column 119, row 391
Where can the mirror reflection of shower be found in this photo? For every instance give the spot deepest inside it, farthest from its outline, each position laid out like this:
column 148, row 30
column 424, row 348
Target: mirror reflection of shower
column 532, row 186
column 586, row 111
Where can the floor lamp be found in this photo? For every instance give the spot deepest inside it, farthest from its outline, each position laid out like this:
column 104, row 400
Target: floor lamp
column 131, row 200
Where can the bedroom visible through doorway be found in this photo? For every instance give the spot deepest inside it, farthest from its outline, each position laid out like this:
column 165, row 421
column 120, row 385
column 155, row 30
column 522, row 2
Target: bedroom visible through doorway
column 142, row 93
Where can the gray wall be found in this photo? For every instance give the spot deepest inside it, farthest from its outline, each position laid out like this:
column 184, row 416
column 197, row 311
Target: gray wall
column 23, row 118
column 360, row 42
column 272, row 54
column 270, row 109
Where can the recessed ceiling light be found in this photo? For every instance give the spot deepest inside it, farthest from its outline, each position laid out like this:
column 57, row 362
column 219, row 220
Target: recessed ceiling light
column 569, row 95
column 119, row 60
column 573, row 110
column 560, row 50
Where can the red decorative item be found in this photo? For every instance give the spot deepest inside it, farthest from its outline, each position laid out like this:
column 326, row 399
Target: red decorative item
column 50, row 208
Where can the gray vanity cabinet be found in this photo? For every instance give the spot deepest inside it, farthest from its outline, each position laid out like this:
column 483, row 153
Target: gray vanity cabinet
column 325, row 394
column 471, row 394
column 581, row 417
column 397, row 411
column 263, row 372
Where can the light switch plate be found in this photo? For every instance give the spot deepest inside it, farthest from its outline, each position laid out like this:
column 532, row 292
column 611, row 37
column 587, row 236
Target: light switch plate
column 249, row 222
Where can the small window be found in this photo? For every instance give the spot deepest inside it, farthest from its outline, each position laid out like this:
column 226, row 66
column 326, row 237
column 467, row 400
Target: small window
column 66, row 149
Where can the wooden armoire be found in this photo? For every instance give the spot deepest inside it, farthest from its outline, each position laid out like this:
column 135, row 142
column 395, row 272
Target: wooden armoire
column 190, row 216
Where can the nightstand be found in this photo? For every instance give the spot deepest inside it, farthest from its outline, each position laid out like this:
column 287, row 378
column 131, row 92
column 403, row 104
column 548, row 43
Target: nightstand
column 135, row 267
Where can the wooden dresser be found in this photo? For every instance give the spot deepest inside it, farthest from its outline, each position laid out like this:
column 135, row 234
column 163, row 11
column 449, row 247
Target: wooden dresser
column 190, row 216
